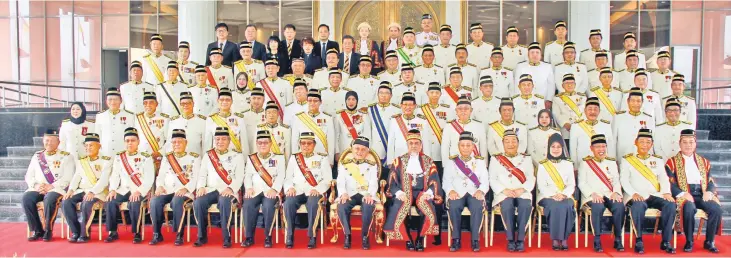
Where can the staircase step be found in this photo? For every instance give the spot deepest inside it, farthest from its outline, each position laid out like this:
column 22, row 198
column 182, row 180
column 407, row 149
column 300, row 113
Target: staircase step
column 14, row 162
column 10, row 198
column 702, row 134
column 12, row 213
column 13, row 185
column 724, row 194
column 22, row 151
column 12, row 173
column 721, row 169
column 38, row 141
column 716, row 155
column 704, row 145
column 722, row 180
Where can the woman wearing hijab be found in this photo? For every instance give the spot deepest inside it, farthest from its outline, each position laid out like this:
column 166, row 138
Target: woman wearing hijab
column 352, row 122
column 556, row 184
column 538, row 136
column 241, row 94
column 274, row 51
column 73, row 131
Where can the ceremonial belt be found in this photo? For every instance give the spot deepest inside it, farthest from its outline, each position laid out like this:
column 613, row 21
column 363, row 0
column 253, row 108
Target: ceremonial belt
column 88, row 170
column 354, row 171
column 155, row 70
column 460, row 129
column 452, row 94
column 216, row 162
column 349, row 124
column 403, row 55
column 402, row 125
column 511, row 168
column 261, row 170
column 570, row 102
column 211, row 79
column 307, row 120
column 589, row 130
column 177, row 169
column 467, row 171
column 172, row 101
column 600, row 174
column 147, row 131
column 644, row 171
column 242, row 68
column 432, row 122
column 605, row 99
column 135, row 177
column 272, row 96
column 47, row 173
column 380, row 127
column 305, row 170
column 499, row 129
column 222, row 123
column 553, row 173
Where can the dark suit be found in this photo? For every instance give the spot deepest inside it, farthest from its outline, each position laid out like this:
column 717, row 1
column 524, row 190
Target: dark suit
column 296, row 52
column 317, row 50
column 354, row 60
column 230, row 52
column 259, row 51
column 312, row 63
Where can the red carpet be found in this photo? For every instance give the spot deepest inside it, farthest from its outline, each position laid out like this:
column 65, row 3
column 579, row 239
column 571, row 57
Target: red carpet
column 13, row 243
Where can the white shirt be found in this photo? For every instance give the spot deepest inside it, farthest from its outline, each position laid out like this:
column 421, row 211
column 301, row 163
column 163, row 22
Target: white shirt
column 392, row 45
column 413, row 168
column 221, row 45
column 364, row 47
column 692, row 175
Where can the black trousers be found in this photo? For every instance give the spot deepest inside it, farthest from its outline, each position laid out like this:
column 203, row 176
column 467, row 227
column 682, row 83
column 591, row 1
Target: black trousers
column 251, row 212
column 69, row 212
column 439, row 209
column 712, row 209
column 560, row 217
column 224, row 205
column 667, row 216
column 157, row 211
column 135, row 212
column 514, row 222
column 291, row 204
column 50, row 202
column 455, row 215
column 597, row 212
column 366, row 210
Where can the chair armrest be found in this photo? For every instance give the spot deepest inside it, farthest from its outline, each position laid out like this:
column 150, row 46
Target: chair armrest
column 382, row 191
column 333, row 191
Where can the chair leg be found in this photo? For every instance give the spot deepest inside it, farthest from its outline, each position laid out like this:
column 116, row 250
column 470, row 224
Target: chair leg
column 492, row 226
column 484, row 217
column 167, row 220
column 322, row 227
column 700, row 226
column 188, row 225
column 101, row 213
column 142, row 226
column 276, row 226
column 209, row 223
column 657, row 224
column 236, row 226
column 586, row 229
column 631, row 232
column 424, row 241
column 530, row 232
column 540, row 229
column 62, row 231
column 449, row 230
column 576, row 226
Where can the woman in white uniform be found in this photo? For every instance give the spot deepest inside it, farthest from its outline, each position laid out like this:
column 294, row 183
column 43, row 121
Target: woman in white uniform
column 556, row 185
column 73, row 131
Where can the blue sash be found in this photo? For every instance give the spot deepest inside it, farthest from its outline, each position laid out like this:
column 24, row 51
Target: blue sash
column 382, row 131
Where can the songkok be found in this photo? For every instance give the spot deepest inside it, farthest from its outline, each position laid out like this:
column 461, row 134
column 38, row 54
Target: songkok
column 172, row 64
column 600, row 53
column 454, row 70
column 263, row 134
column 687, row 133
column 91, row 137
column 149, row 95
column 385, row 85
column 130, row 131
column 511, row 29
column 155, row 37
column 466, row 135
column 51, row 132
column 679, row 77
column 366, row 59
column 427, row 47
column 506, row 102
column 632, row 53
column 178, row 133
column 271, row 105
column 568, row 45
column 595, row 32
column 560, row 24
column 307, row 136
column 629, row 35
column 592, row 101
column 362, row 140
column 434, row 86
column 390, row 53
column 672, row 102
column 334, row 71
column 299, row 82
column 413, row 134
column 184, row 44
column 598, row 138
column 534, row 45
column 475, row 26
column 605, row 70
column 271, row 62
column 186, row 95
column 640, row 71
column 663, row 54
column 464, row 100
column 635, row 91
column 200, row 69
column 568, row 77
column 113, row 92
column 221, row 131
column 225, row 92
column 409, row 30
column 215, row 51
column 408, row 96
column 497, row 51
column 445, row 27
column 426, row 16
column 526, row 78
column 257, row 92
column 134, row 64
column 644, row 132
column 315, row 93
column 407, row 67
column 510, row 132
column 486, row 79
column 245, row 44
column 332, row 51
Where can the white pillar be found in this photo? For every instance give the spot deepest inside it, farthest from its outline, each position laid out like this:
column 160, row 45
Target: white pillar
column 453, row 10
column 327, row 16
column 196, row 20
column 585, row 16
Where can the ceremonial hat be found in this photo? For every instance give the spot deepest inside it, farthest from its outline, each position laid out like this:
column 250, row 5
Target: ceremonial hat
column 365, row 59
column 134, row 64
column 497, row 51
column 679, row 77
column 130, row 131
column 511, row 29
column 466, row 135
column 221, row 131
column 225, row 92
column 315, row 93
column 257, row 92
column 334, row 71
column 91, row 137
column 464, row 100
column 486, row 79
column 427, row 47
column 408, row 96
column 413, row 134
column 534, row 45
column 183, row 44
column 595, row 32
column 172, row 64
column 178, row 133
column 598, row 138
column 426, row 16
column 272, row 62
column 506, row 102
column 510, row 132
column 560, row 24
column 434, row 86
column 592, row 101
column 635, row 91
column 409, row 30
column 186, row 95
column 568, row 77
column 390, row 53
column 600, row 53
column 332, row 51
column 215, row 51
column 663, row 54
column 307, row 136
column 245, row 44
column 155, row 37
column 672, row 102
column 568, row 45
column 299, row 82
column 445, row 27
column 475, row 26
column 407, row 67
column 385, row 85
column 271, row 105
column 644, row 132
column 631, row 53
column 605, row 69
column 200, row 69
column 455, row 69
column 640, row 71
column 362, row 140
column 113, row 91
column 149, row 95
column 51, row 132
column 687, row 133
column 525, row 78
column 263, row 134
column 629, row 35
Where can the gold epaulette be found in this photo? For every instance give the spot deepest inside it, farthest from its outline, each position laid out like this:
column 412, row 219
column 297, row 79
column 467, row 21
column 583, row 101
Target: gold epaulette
column 363, row 110
column 480, row 157
column 471, row 64
column 605, row 121
column 64, row 153
column 147, row 155
column 579, row 121
column 543, row 161
column 326, row 113
column 588, row 158
column 536, row 127
column 621, row 112
column 628, row 155
column 396, row 115
column 559, row 64
column 651, row 70
column 146, row 55
column 175, row 117
column 521, row 45
column 284, row 125
column 467, row 87
column 686, row 122
column 257, row 61
column 595, row 88
column 322, row 154
column 657, row 156
column 661, row 124
column 444, row 105
column 226, row 66
column 610, row 158
column 401, row 83
column 453, row 157
column 591, row 70
column 353, row 76
column 195, row 155
column 549, row 43
column 339, row 111
column 66, row 120
column 240, row 115
column 140, row 114
column 130, row 112
column 106, row 158
column 164, row 115
column 519, row 122
column 477, row 120
column 193, row 62
column 516, row 95
column 379, row 73
column 201, row 116
column 498, row 154
column 347, row 89
column 520, row 63
column 647, row 114
column 211, row 115
column 118, row 153
column 497, row 121
column 420, row 116
column 508, row 68
column 321, row 69
column 82, row 157
column 619, row 71
column 582, row 51
column 396, row 105
column 450, row 65
column 581, row 94
column 538, row 96
column 617, row 89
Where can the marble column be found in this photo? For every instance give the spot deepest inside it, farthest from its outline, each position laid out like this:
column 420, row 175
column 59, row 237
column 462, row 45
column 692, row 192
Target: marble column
column 585, row 16
column 196, row 21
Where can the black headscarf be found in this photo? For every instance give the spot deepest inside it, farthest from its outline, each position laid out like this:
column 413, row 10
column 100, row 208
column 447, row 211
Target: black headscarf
column 82, row 117
column 556, row 138
column 354, row 94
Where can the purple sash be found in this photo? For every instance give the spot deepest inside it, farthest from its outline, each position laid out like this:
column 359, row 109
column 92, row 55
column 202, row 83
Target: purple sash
column 44, row 167
column 468, row 172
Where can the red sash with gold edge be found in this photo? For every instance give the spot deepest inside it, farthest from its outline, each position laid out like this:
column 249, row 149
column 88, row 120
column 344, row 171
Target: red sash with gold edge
column 426, row 109
column 305, row 170
column 177, row 169
column 272, row 96
column 349, row 124
column 135, row 177
column 515, row 171
column 261, row 170
column 452, row 94
column 600, row 174
column 216, row 162
column 459, row 130
column 211, row 79
column 402, row 126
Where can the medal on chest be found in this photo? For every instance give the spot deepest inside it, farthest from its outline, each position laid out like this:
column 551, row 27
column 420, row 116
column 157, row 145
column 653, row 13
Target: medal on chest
column 84, row 130
column 123, row 120
column 158, row 123
column 272, row 163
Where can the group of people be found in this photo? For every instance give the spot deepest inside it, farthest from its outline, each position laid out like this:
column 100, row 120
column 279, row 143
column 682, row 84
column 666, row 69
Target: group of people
column 439, row 129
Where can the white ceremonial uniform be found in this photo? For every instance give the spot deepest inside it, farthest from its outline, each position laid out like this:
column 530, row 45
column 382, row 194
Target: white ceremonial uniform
column 442, row 113
column 366, row 86
column 502, row 81
column 593, row 78
column 62, row 166
column 652, row 105
column 223, row 75
column 668, row 135
column 626, row 79
column 634, row 183
column 538, row 142
column 194, row 126
column 274, row 165
column 325, row 122
column 110, row 126
column 563, row 111
column 625, row 128
column 612, row 97
column 333, row 99
column 252, row 118
column 320, row 168
column 501, row 178
column 102, row 169
column 553, row 53
column 495, row 138
column 232, row 161
column 291, row 77
column 281, row 89
column 588, row 57
column 450, row 138
column 589, row 183
column 542, row 74
column 455, row 180
column 205, row 98
column 321, row 79
column 397, row 145
column 487, row 109
column 418, row 88
column 413, row 53
column 429, row 73
column 168, row 97
column 547, row 187
column 142, row 166
column 241, row 100
column 72, row 136
column 460, row 91
column 235, row 123
column 526, row 109
column 380, row 119
column 190, row 163
column 158, row 124
column 661, row 81
column 620, row 60
column 282, row 135
column 254, row 68
column 148, row 72
column 291, row 109
column 347, row 184
column 394, row 77
column 514, row 55
column 470, row 75
column 688, row 111
column 423, row 38
column 480, row 54
column 187, row 72
column 444, row 54
column 580, row 140
column 580, row 76
column 132, row 93
column 360, row 124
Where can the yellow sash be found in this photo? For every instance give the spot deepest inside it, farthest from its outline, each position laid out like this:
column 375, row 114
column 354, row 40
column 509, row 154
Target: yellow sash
column 242, row 69
column 222, row 123
column 555, row 176
column 571, row 104
column 354, row 171
column 89, row 172
column 605, row 99
column 499, row 128
column 644, row 171
column 275, row 146
column 148, row 132
column 155, row 69
column 589, row 130
column 426, row 109
column 307, row 120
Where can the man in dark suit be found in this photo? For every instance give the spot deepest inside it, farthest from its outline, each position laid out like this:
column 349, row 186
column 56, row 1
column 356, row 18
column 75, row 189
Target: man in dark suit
column 291, row 47
column 324, row 44
column 230, row 49
column 312, row 61
column 348, row 59
column 259, row 50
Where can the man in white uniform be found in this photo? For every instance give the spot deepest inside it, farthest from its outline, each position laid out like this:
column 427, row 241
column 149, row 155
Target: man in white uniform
column 587, row 55
column 554, row 49
column 502, row 76
column 541, row 72
column 480, row 50
column 133, row 90
column 629, row 44
column 513, row 52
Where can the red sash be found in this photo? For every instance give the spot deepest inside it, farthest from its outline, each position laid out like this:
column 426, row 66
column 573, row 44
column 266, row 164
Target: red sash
column 459, row 130
column 135, row 177
column 272, row 96
column 305, row 170
column 402, row 126
column 511, row 168
column 599, row 173
column 349, row 124
column 211, row 80
column 216, row 162
column 452, row 94
column 261, row 170
column 177, row 169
